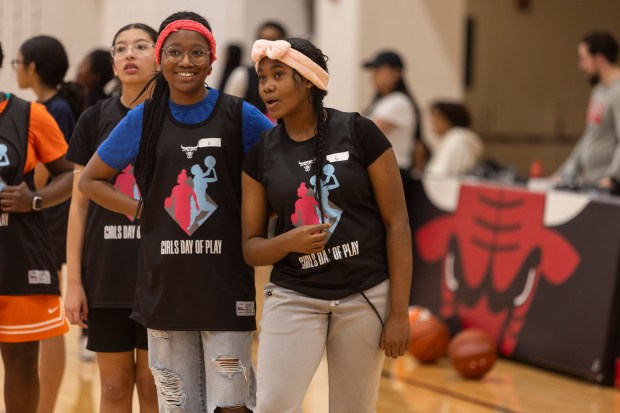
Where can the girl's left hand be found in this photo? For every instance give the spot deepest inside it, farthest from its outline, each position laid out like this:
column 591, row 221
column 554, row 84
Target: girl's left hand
column 395, row 336
column 16, row 198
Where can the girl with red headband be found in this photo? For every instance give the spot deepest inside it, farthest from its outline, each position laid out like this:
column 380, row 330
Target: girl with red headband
column 342, row 246
column 194, row 293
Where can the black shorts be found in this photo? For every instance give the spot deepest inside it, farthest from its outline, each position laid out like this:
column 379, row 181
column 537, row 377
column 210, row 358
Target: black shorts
column 110, row 330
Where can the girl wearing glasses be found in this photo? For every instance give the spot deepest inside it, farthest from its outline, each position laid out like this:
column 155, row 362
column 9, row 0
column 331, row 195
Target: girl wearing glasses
column 103, row 245
column 41, row 65
column 194, row 293
column 342, row 233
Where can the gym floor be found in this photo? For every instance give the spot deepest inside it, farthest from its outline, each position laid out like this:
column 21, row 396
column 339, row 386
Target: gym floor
column 406, row 387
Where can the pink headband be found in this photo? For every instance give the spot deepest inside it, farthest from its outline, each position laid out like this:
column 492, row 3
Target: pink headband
column 281, row 50
column 184, row 25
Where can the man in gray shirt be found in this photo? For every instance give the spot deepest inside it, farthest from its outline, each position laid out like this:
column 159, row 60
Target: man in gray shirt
column 596, row 157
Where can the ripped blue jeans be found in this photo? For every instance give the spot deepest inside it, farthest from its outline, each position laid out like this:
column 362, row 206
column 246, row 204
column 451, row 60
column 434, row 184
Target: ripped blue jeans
column 199, row 371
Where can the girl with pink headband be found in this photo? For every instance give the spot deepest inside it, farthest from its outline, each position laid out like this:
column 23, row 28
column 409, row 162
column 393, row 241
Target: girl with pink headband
column 341, row 252
column 194, row 293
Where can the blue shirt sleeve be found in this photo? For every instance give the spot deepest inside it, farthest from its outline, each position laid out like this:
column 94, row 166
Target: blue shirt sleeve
column 121, row 148
column 254, row 124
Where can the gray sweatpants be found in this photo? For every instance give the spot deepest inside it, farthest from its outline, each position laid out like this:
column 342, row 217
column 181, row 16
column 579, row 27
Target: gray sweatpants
column 297, row 329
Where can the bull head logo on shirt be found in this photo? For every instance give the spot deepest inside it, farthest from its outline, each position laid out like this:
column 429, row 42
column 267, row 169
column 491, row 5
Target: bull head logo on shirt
column 189, row 150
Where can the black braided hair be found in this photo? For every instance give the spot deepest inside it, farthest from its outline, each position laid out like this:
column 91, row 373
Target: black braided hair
column 154, row 115
column 316, row 97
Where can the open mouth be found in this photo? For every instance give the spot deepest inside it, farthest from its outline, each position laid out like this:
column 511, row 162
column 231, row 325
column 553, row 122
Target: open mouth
column 130, row 68
column 186, row 75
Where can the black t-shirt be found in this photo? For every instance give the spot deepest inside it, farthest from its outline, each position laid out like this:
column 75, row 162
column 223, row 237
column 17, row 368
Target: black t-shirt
column 355, row 254
column 111, row 240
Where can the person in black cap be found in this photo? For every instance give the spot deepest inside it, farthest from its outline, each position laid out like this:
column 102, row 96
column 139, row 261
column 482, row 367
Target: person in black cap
column 395, row 111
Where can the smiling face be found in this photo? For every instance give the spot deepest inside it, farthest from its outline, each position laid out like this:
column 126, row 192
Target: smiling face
column 284, row 92
column 186, row 79
column 138, row 64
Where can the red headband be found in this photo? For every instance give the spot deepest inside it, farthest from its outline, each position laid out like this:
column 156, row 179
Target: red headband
column 184, row 25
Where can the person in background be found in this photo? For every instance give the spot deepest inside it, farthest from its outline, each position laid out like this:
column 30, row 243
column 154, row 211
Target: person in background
column 395, row 112
column 459, row 148
column 232, row 61
column 243, row 81
column 31, row 309
column 596, row 157
column 102, row 269
column 41, row 65
column 94, row 73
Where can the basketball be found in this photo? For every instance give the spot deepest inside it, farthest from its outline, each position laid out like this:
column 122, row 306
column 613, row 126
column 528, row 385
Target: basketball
column 472, row 353
column 429, row 335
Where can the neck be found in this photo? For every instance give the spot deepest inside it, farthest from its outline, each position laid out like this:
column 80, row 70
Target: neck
column 131, row 96
column 610, row 74
column 181, row 98
column 43, row 92
column 301, row 126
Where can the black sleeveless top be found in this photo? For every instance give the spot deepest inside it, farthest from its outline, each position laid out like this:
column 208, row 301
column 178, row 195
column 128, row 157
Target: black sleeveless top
column 27, row 264
column 192, row 275
column 111, row 240
column 355, row 254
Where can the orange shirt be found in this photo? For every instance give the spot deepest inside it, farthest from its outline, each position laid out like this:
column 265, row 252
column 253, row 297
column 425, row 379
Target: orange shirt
column 46, row 143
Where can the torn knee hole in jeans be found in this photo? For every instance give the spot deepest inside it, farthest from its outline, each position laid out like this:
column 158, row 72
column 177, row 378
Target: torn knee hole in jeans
column 159, row 334
column 229, row 366
column 170, row 386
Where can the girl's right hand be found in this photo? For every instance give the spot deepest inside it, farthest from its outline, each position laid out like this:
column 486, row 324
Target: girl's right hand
column 307, row 239
column 76, row 305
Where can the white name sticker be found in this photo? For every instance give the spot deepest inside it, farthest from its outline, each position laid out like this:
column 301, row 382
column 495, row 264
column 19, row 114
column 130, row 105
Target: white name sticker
column 209, row 142
column 39, row 277
column 246, row 309
column 338, row 157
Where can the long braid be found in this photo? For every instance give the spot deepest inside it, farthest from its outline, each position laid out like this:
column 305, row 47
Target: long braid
column 154, row 116
column 316, row 97
column 319, row 154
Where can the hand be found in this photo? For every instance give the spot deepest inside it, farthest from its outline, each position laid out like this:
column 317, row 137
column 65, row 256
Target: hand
column 605, row 183
column 16, row 198
column 395, row 336
column 76, row 305
column 307, row 239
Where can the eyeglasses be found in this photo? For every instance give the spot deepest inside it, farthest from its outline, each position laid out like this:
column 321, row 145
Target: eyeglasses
column 16, row 62
column 139, row 49
column 196, row 56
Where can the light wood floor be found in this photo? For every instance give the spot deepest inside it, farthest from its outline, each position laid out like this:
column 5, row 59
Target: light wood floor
column 406, row 387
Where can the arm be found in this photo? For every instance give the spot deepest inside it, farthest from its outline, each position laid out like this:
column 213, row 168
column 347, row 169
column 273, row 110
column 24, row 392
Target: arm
column 384, row 125
column 18, row 198
column 95, row 184
column 76, row 304
column 257, row 248
column 383, row 173
column 613, row 171
column 237, row 82
column 570, row 167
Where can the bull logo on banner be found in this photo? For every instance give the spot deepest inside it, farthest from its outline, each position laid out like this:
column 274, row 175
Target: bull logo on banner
column 496, row 245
